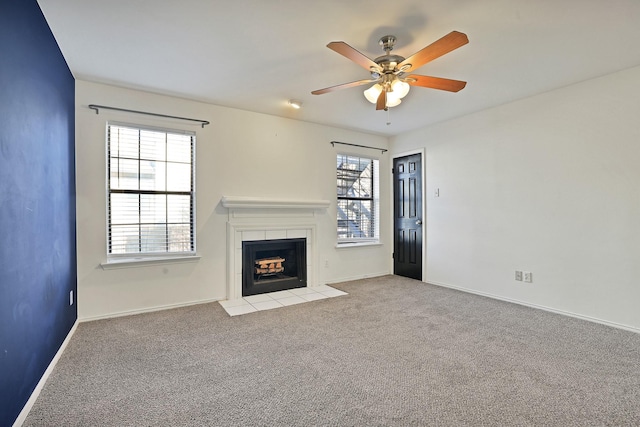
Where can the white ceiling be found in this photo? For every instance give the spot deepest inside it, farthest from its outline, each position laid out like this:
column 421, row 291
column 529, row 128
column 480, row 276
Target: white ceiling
column 257, row 54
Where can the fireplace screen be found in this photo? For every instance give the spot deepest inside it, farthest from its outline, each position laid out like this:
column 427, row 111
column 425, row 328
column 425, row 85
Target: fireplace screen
column 273, row 265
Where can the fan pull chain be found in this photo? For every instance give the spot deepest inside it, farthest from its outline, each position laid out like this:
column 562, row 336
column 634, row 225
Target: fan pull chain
column 388, row 116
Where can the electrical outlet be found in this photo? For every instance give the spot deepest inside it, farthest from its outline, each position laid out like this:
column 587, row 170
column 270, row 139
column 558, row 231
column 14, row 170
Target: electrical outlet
column 326, row 263
column 70, row 297
column 519, row 275
column 528, row 276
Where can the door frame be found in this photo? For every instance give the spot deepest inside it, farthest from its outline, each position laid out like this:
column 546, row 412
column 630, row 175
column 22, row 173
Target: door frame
column 394, row 156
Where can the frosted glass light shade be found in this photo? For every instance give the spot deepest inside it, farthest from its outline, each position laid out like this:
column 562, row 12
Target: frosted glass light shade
column 392, row 102
column 391, row 98
column 373, row 93
column 400, row 88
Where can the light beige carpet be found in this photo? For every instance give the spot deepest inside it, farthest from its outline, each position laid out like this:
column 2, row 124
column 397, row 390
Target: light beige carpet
column 393, row 352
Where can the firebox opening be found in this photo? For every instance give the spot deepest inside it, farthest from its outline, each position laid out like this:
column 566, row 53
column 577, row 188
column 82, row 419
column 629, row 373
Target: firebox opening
column 273, row 265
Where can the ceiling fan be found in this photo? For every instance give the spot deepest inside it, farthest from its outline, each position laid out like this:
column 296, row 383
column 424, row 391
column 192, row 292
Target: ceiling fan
column 387, row 71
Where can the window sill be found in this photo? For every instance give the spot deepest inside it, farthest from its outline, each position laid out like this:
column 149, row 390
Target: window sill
column 357, row 244
column 144, row 262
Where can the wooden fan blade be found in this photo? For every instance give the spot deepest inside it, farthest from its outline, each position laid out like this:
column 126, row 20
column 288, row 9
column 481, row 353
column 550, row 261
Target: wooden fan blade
column 343, row 86
column 350, row 53
column 381, row 104
column 436, row 83
column 446, row 44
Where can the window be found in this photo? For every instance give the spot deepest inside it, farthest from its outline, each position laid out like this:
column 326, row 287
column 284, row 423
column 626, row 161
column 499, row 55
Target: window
column 357, row 184
column 151, row 192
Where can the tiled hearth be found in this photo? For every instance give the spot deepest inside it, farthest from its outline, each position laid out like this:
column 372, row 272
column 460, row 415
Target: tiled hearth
column 253, row 303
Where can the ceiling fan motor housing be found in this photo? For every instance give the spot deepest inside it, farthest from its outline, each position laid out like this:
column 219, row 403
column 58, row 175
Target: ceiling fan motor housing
column 388, row 63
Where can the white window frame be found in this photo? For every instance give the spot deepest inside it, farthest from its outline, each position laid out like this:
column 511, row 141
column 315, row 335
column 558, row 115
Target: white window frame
column 369, row 240
column 124, row 259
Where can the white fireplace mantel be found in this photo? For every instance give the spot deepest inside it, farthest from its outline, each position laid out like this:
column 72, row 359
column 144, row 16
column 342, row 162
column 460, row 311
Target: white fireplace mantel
column 232, row 202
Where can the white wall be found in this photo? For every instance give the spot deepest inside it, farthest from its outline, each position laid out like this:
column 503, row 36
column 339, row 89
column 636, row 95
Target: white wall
column 548, row 184
column 239, row 154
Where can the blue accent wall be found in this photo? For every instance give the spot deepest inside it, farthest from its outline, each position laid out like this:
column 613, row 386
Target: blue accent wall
column 37, row 202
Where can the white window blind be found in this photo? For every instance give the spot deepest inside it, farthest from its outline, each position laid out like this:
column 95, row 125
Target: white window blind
column 358, row 204
column 151, row 192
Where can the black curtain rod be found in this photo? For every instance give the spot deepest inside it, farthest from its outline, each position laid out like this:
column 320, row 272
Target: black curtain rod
column 356, row 145
column 97, row 108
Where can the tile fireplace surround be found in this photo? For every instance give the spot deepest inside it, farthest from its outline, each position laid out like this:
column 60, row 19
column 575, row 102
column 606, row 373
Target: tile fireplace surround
column 252, row 219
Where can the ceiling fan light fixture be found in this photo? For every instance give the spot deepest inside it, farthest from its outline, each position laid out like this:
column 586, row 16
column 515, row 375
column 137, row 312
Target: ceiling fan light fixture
column 399, row 90
column 295, row 103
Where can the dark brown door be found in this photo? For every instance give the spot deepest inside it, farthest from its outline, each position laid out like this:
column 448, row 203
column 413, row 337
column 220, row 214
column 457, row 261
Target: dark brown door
column 407, row 208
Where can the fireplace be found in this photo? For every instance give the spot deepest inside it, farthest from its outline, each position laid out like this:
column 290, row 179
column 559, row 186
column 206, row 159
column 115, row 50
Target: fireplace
column 273, row 265
column 253, row 219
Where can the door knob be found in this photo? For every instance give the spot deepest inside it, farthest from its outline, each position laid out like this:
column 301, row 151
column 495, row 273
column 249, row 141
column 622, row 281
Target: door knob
column 419, row 222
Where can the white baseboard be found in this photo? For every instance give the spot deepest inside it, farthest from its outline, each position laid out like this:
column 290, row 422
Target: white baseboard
column 146, row 310
column 358, row 277
column 36, row 391
column 539, row 307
